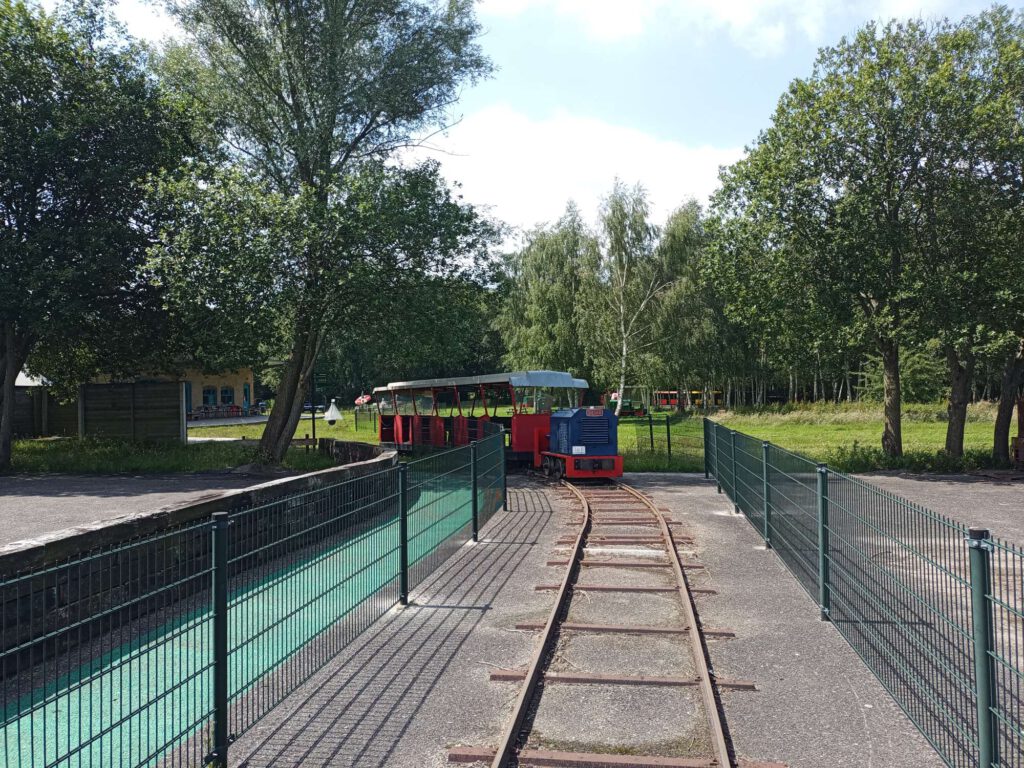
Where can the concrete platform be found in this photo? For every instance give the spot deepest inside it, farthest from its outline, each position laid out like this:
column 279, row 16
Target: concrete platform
column 817, row 705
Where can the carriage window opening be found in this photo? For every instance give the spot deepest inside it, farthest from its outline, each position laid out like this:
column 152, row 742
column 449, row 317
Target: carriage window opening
column 499, row 400
column 469, row 398
column 384, row 403
column 404, row 401
column 424, row 402
column 445, row 400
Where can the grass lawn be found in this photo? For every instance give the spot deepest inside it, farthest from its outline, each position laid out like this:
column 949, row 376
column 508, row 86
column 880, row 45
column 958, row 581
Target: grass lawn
column 848, row 436
column 98, row 456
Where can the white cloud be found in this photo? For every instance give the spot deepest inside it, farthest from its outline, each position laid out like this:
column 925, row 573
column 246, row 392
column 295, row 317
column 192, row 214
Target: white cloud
column 527, row 169
column 760, row 26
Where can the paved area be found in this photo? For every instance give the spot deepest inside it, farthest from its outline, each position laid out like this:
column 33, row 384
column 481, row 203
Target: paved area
column 993, row 500
column 416, row 683
column 31, row 505
column 198, row 424
column 817, row 704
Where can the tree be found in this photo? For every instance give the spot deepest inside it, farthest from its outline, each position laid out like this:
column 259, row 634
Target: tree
column 836, row 172
column 82, row 124
column 233, row 254
column 539, row 322
column 623, row 282
column 307, row 93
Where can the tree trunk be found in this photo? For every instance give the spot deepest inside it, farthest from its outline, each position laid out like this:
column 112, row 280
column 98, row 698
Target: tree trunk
column 12, row 358
column 849, row 388
column 288, row 399
column 892, row 434
column 961, row 371
column 622, row 377
column 1013, row 376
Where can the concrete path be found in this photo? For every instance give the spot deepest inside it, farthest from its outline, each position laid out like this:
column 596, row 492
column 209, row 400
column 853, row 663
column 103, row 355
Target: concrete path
column 31, row 505
column 198, row 424
column 990, row 500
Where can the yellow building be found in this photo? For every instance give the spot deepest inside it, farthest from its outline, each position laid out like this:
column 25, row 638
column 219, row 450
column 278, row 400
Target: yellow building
column 205, row 391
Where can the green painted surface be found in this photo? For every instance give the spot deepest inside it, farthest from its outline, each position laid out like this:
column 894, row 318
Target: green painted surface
column 124, row 709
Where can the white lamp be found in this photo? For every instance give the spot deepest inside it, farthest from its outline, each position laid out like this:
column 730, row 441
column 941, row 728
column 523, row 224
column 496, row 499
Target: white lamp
column 333, row 414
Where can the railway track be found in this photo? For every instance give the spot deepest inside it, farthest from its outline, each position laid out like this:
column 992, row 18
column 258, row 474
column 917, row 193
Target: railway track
column 599, row 548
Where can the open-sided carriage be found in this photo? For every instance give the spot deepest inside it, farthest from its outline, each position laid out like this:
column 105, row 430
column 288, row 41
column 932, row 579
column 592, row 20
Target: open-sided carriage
column 451, row 412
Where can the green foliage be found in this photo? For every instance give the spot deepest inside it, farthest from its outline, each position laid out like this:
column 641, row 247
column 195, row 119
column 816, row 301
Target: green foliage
column 539, row 318
column 922, row 376
column 82, row 125
column 312, row 99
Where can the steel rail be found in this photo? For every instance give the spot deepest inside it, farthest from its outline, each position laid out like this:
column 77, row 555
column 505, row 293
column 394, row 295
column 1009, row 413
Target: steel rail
column 698, row 644
column 509, row 740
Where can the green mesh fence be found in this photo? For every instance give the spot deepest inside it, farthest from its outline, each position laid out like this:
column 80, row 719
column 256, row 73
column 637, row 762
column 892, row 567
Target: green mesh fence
column 1006, row 601
column 440, row 509
column 934, row 610
column 160, row 651
column 667, row 439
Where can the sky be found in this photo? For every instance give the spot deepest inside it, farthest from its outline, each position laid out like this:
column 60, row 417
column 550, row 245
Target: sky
column 656, row 92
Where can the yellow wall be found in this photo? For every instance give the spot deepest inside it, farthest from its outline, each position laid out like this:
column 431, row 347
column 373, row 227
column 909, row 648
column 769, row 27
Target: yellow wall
column 233, row 379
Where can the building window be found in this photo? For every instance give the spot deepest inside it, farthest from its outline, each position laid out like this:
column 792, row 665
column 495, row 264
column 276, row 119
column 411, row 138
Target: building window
column 209, row 395
column 227, row 395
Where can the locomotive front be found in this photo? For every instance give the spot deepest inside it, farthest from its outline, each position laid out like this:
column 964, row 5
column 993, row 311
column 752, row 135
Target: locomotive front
column 583, row 443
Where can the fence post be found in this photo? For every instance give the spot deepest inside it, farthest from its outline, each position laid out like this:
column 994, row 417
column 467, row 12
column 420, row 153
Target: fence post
column 504, row 472
column 732, row 469
column 707, row 442
column 650, row 426
column 473, row 499
column 403, row 534
column 219, row 757
column 824, row 596
column 718, row 470
column 979, row 541
column 766, row 490
column 668, row 434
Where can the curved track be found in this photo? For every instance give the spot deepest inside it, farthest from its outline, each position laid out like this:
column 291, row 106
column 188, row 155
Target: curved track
column 607, row 506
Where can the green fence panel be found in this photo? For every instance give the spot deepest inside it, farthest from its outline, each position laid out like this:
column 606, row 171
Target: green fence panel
column 490, row 459
column 115, row 657
column 440, row 509
column 306, row 574
column 1007, row 653
column 896, row 580
column 793, row 506
column 901, row 596
column 749, row 476
column 113, row 665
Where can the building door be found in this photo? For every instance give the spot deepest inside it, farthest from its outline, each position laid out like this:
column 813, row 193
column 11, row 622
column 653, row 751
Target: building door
column 188, row 397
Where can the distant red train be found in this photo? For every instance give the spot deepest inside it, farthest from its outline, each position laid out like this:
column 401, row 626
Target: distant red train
column 439, row 413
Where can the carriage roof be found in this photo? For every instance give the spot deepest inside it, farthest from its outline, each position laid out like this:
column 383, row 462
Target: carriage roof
column 556, row 379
